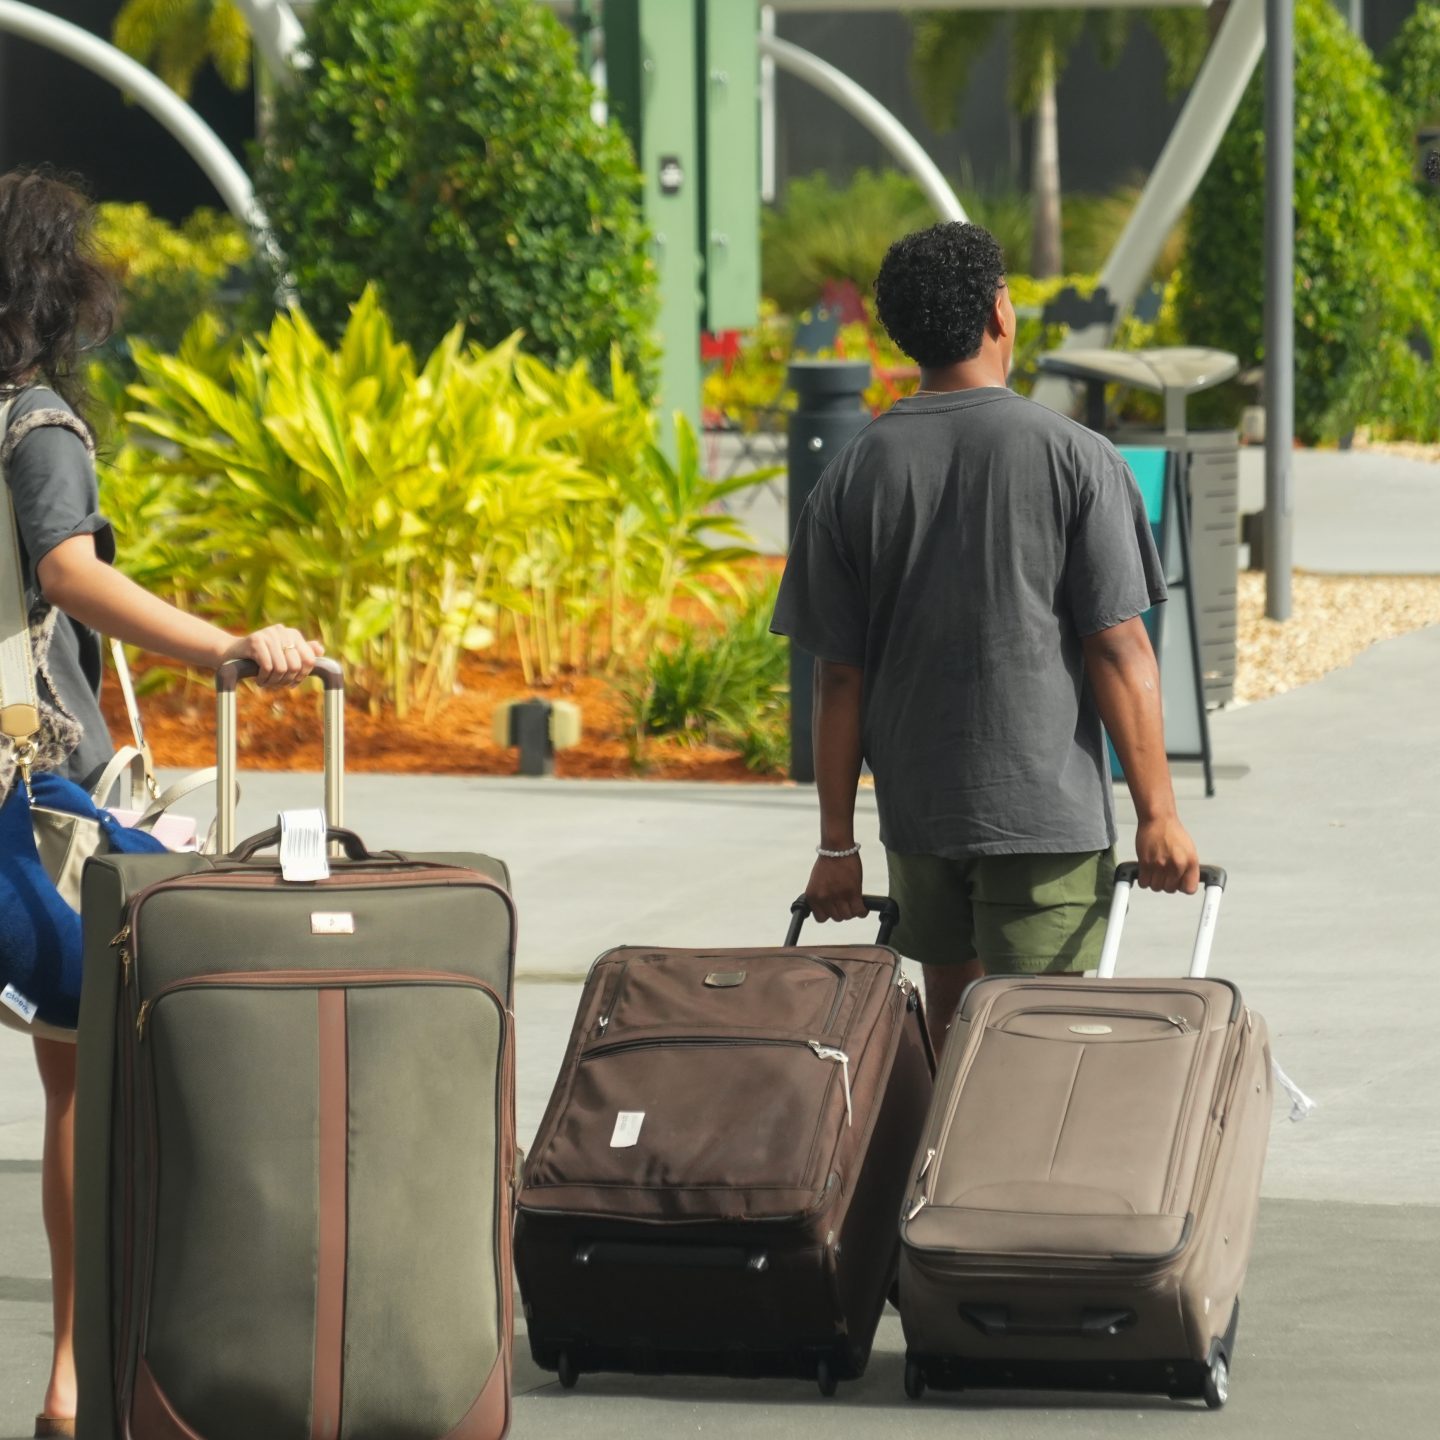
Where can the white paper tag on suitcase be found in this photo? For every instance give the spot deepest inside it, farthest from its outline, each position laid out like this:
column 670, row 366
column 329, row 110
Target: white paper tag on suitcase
column 627, row 1129
column 12, row 999
column 302, row 846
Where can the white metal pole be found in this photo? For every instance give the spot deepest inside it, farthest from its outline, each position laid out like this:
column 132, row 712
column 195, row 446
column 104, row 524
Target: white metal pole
column 768, row 118
column 203, row 145
column 277, row 34
column 873, row 115
column 1279, row 304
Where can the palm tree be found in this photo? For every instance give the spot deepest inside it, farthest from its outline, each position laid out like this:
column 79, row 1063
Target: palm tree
column 178, row 38
column 947, row 44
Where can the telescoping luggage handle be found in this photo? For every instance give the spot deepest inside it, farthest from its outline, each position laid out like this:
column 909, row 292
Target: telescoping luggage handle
column 1212, row 879
column 882, row 905
column 227, row 683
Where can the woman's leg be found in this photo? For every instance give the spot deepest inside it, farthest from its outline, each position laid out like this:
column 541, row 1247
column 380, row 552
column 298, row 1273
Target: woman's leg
column 56, row 1060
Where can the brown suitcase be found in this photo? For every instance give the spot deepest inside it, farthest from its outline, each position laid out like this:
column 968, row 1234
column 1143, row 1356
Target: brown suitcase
column 1082, row 1207
column 715, row 1185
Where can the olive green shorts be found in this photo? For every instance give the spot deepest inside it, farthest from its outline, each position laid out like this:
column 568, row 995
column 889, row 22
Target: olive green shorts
column 1020, row 914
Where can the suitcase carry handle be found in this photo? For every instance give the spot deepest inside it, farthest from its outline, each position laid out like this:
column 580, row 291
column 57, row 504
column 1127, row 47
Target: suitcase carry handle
column 1212, row 878
column 690, row 1257
column 347, row 840
column 995, row 1321
column 882, row 905
column 227, row 682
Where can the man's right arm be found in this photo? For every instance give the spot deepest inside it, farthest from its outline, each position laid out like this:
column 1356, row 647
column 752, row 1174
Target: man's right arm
column 1125, row 678
column 836, row 886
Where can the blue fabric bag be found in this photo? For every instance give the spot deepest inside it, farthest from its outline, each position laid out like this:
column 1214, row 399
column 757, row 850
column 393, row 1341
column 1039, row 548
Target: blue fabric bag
column 40, row 944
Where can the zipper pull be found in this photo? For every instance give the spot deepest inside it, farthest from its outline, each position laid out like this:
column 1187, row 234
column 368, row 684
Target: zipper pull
column 929, row 1159
column 604, row 1021
column 916, row 1208
column 122, row 943
column 1180, row 1023
column 141, row 1017
column 827, row 1052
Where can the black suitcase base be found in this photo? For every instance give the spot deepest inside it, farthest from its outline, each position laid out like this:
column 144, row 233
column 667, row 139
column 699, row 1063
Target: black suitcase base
column 1207, row 1380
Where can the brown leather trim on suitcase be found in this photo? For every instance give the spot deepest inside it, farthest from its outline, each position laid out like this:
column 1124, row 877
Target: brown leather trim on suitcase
column 152, row 1417
column 489, row 1417
column 331, row 1244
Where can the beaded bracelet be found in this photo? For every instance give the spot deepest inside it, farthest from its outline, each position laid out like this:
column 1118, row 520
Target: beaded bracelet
column 825, row 854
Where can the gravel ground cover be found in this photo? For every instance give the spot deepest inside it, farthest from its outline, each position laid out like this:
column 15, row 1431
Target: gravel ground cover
column 1334, row 618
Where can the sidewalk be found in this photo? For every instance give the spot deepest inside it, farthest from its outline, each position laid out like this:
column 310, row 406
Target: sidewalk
column 1327, row 825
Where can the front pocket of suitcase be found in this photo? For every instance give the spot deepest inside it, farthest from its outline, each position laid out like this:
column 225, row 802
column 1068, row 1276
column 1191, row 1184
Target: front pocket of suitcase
column 692, row 1114
column 323, row 1256
column 677, row 991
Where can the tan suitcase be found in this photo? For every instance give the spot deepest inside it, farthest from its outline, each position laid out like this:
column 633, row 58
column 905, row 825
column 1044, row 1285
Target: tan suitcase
column 1082, row 1207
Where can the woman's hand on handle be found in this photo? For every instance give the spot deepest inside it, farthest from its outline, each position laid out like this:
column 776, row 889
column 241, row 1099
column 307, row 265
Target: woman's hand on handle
column 284, row 655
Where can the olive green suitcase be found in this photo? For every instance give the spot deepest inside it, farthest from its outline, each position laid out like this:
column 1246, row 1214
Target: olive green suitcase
column 295, row 1138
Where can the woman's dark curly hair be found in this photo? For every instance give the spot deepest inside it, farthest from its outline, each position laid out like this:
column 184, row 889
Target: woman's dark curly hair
column 936, row 289
column 56, row 298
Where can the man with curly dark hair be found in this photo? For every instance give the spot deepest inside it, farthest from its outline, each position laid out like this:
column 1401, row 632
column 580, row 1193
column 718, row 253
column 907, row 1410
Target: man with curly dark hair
column 970, row 573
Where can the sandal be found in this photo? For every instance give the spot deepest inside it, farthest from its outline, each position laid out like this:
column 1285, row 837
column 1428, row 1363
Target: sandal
column 50, row 1425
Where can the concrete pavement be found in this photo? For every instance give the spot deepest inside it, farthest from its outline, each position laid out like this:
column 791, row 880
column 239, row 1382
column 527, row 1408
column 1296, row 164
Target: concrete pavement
column 1327, row 824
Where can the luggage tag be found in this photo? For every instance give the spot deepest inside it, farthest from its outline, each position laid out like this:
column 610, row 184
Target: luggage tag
column 627, row 1129
column 12, row 999
column 302, row 846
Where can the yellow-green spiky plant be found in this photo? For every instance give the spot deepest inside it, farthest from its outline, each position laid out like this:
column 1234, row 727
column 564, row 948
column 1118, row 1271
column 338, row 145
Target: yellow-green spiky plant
column 178, row 38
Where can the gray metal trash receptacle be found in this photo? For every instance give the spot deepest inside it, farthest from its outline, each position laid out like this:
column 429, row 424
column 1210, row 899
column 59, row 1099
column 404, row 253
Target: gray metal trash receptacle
column 1210, row 466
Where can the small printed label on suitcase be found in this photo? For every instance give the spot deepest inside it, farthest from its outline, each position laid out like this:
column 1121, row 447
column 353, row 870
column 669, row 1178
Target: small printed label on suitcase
column 627, row 1129
column 25, row 1009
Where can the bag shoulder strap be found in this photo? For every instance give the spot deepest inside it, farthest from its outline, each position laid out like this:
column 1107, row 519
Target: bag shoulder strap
column 19, row 699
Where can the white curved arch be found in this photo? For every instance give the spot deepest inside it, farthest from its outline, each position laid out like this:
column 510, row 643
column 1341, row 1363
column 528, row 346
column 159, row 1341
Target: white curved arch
column 203, row 145
column 881, row 123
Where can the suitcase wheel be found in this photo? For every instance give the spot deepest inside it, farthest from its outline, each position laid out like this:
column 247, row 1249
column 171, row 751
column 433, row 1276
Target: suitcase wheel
column 914, row 1379
column 1216, row 1390
column 826, row 1378
column 565, row 1367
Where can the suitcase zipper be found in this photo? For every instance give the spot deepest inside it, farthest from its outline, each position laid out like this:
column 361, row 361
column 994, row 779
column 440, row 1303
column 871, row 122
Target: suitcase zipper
column 842, row 981
column 821, row 1052
column 1178, row 1021
column 614, row 997
column 303, row 979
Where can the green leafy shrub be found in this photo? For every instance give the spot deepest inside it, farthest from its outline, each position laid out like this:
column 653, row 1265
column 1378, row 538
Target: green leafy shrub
column 1366, row 270
column 1411, row 67
column 405, row 513
column 727, row 687
column 444, row 149
column 168, row 274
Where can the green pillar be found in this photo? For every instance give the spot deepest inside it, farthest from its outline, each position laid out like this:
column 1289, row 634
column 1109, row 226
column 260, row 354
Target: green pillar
column 730, row 141
column 651, row 49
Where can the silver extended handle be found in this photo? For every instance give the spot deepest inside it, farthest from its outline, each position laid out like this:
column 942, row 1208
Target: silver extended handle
column 1212, row 879
column 227, row 683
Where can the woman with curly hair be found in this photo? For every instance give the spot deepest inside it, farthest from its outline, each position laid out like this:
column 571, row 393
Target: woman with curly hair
column 57, row 302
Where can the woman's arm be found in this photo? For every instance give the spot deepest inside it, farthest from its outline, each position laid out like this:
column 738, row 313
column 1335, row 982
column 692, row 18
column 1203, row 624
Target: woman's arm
column 74, row 579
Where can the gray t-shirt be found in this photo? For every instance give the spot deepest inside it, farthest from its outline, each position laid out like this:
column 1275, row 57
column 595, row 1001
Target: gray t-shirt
column 958, row 549
column 52, row 480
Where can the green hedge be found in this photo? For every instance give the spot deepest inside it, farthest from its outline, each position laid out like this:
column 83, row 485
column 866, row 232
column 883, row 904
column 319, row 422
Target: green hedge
column 1367, row 276
column 445, row 150
column 1412, row 70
